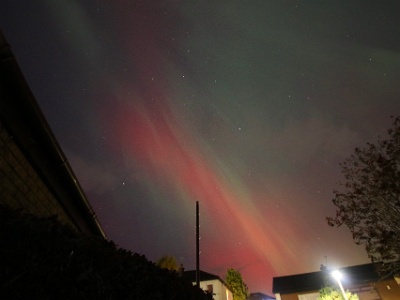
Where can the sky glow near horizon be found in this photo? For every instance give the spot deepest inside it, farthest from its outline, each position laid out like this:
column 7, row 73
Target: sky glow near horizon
column 246, row 108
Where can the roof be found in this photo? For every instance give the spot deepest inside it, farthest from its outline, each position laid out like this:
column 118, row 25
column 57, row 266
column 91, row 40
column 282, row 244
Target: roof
column 356, row 275
column 297, row 283
column 21, row 116
column 204, row 276
column 260, row 296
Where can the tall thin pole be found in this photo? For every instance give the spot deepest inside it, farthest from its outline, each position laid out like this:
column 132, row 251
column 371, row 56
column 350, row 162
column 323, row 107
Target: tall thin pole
column 197, row 246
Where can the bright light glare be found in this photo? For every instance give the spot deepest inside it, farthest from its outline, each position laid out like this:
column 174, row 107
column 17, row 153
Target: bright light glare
column 337, row 275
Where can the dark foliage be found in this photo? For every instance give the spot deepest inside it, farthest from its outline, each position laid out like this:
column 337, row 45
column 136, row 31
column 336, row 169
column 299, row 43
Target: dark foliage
column 42, row 259
column 369, row 202
column 236, row 283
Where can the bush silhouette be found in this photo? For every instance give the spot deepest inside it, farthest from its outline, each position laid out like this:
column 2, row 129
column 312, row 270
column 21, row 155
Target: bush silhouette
column 42, row 259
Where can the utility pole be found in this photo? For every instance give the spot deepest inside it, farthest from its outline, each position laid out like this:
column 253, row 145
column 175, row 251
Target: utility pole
column 197, row 246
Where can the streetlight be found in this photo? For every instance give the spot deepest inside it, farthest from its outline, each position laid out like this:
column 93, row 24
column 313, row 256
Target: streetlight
column 337, row 275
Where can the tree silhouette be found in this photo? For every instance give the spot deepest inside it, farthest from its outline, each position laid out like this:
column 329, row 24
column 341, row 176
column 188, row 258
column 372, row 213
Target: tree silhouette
column 236, row 283
column 330, row 293
column 369, row 203
column 168, row 262
column 42, row 259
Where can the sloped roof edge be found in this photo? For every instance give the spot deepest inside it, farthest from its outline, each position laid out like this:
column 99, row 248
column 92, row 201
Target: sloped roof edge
column 357, row 275
column 22, row 117
column 204, row 276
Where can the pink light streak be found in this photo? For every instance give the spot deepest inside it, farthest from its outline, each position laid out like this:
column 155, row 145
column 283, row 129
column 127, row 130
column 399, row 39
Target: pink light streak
column 239, row 236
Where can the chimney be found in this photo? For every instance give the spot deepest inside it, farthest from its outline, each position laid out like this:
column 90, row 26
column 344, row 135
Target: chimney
column 181, row 270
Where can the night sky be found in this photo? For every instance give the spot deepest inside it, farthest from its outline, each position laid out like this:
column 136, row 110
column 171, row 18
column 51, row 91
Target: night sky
column 245, row 106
